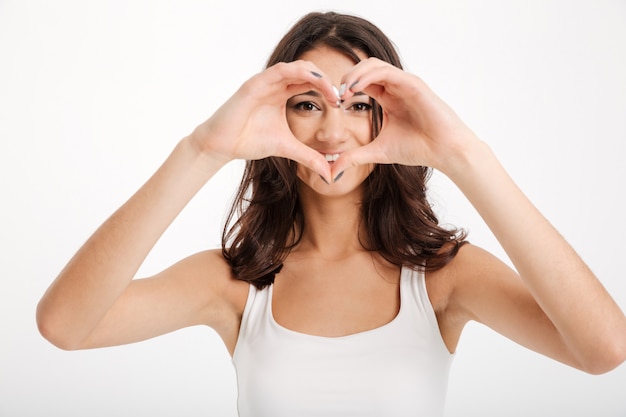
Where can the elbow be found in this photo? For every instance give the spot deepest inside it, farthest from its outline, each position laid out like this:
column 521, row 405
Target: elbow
column 56, row 339
column 609, row 356
column 53, row 331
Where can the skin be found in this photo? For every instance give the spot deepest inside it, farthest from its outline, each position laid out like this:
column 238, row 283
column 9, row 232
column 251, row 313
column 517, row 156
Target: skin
column 553, row 304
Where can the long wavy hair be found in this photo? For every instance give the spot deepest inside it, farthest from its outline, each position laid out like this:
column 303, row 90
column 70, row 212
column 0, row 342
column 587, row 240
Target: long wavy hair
column 266, row 221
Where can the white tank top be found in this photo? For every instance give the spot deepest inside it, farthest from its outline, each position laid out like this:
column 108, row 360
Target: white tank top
column 399, row 369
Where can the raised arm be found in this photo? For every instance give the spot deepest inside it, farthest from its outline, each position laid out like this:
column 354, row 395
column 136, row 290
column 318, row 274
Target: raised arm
column 561, row 309
column 586, row 328
column 100, row 272
column 95, row 301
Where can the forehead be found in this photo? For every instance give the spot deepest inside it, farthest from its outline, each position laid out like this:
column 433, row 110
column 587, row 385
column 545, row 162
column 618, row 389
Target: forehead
column 332, row 61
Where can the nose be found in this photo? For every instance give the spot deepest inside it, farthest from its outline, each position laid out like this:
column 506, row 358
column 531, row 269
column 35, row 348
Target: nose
column 332, row 128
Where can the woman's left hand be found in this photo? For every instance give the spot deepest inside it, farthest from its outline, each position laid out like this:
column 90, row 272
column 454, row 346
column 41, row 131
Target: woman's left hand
column 418, row 127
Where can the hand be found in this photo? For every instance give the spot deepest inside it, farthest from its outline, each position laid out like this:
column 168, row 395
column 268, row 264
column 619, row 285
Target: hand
column 418, row 127
column 252, row 124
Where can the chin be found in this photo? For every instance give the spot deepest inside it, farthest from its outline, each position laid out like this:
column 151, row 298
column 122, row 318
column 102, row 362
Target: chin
column 351, row 182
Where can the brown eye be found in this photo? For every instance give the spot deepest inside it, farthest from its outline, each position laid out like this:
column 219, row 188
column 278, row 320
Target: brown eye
column 361, row 107
column 306, row 106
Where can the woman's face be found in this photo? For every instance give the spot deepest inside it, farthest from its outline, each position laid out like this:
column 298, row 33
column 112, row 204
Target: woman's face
column 327, row 129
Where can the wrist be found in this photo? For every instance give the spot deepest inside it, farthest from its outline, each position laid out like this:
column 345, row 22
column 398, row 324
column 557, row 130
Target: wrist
column 481, row 177
column 202, row 151
column 468, row 157
column 200, row 163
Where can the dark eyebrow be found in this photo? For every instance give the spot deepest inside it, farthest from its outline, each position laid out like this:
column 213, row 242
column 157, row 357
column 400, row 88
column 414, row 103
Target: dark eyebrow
column 316, row 94
column 309, row 93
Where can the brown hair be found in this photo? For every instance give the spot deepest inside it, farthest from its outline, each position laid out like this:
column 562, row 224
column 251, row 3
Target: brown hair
column 399, row 221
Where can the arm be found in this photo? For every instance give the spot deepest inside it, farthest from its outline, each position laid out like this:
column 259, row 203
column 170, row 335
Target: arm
column 589, row 323
column 556, row 291
column 94, row 301
column 101, row 271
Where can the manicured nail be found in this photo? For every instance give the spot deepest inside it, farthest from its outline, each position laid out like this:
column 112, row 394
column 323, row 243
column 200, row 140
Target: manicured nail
column 338, row 177
column 324, row 179
column 316, row 74
column 338, row 96
column 353, row 84
column 342, row 89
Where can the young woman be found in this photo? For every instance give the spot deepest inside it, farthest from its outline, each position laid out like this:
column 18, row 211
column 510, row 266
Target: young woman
column 336, row 290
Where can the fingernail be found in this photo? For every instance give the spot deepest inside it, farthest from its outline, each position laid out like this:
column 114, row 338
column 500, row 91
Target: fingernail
column 338, row 96
column 342, row 89
column 316, row 74
column 324, row 179
column 338, row 177
column 353, row 84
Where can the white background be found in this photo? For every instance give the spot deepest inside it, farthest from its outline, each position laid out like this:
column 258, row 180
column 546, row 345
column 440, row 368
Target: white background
column 94, row 95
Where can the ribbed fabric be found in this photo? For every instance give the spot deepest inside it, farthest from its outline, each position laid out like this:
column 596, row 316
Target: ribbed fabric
column 399, row 369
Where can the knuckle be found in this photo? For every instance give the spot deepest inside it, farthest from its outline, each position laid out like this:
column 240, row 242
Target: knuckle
column 281, row 66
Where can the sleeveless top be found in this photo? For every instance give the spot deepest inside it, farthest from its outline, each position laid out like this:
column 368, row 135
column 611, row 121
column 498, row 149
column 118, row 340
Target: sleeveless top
column 398, row 369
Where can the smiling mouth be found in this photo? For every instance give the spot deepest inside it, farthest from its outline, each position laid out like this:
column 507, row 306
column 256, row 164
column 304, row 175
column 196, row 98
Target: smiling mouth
column 331, row 157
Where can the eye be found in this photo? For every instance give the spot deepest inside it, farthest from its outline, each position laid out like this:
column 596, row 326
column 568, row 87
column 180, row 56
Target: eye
column 360, row 107
column 306, row 106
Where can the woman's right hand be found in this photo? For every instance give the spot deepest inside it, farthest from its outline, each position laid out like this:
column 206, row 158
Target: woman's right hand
column 95, row 301
column 252, row 124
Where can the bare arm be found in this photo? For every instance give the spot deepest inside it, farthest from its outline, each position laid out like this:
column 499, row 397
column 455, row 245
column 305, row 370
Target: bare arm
column 586, row 319
column 102, row 269
column 557, row 290
column 94, row 300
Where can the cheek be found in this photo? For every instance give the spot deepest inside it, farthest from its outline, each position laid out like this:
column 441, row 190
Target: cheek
column 361, row 129
column 302, row 128
column 365, row 136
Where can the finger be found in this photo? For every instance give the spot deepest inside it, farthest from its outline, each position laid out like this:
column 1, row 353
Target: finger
column 302, row 154
column 299, row 77
column 363, row 74
column 378, row 79
column 373, row 152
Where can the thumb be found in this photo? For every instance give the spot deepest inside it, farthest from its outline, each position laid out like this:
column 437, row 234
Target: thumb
column 368, row 154
column 302, row 154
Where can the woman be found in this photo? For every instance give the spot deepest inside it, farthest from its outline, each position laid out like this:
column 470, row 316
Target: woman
column 336, row 291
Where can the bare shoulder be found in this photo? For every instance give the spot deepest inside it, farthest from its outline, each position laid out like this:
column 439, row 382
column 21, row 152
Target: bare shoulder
column 209, row 270
column 223, row 296
column 470, row 270
column 201, row 287
column 456, row 288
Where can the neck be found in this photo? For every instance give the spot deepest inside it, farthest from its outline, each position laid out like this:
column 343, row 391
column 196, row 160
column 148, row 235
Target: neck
column 332, row 224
